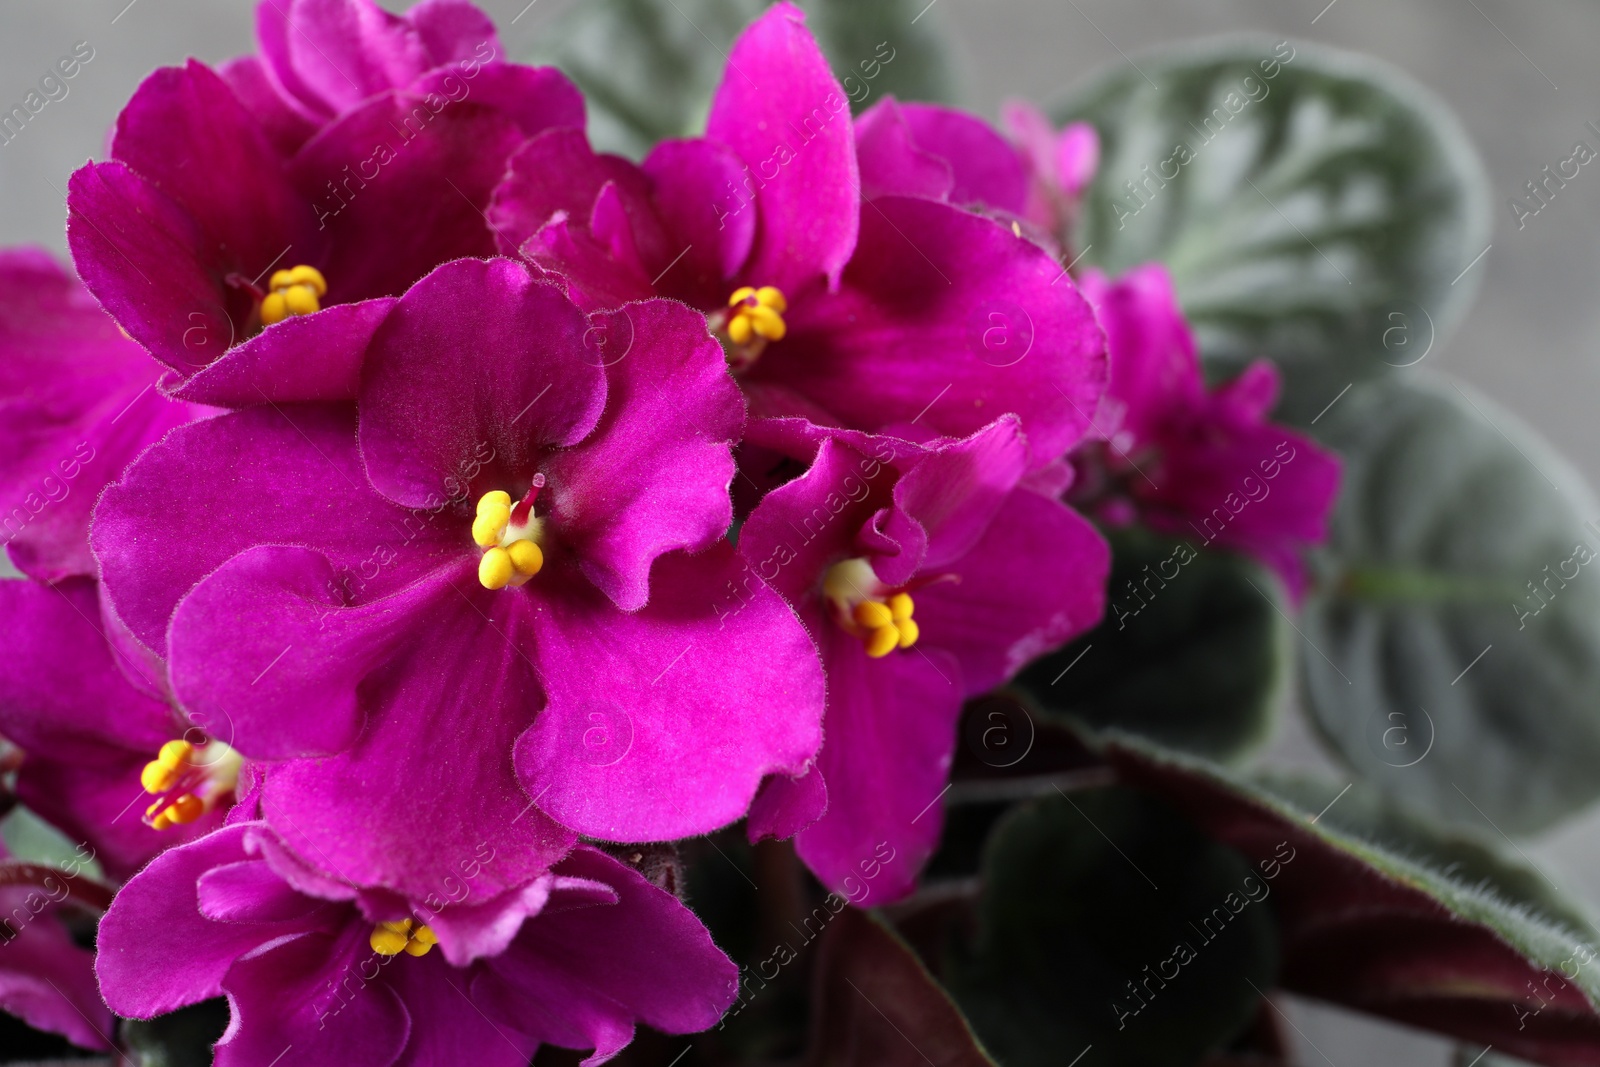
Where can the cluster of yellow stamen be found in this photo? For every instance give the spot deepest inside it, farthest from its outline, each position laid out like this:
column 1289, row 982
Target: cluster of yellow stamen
column 296, row 291
column 511, row 553
column 756, row 313
column 880, row 617
column 176, row 768
column 407, row 935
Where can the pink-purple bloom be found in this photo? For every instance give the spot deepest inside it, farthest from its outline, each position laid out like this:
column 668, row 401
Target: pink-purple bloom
column 844, row 310
column 300, row 955
column 77, row 404
column 971, row 573
column 262, row 274
column 319, row 577
column 1193, row 462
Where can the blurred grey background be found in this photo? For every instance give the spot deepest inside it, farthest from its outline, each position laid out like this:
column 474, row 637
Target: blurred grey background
column 1521, row 74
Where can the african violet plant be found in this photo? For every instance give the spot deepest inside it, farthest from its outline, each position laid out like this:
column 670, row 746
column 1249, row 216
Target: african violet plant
column 803, row 588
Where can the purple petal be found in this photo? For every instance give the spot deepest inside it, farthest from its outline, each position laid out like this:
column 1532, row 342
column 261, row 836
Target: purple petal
column 987, row 171
column 702, row 197
column 449, row 1026
column 1035, row 580
column 157, row 953
column 785, row 805
column 892, row 164
column 263, row 476
column 462, row 660
column 309, row 994
column 45, row 978
column 955, row 493
column 249, row 891
column 340, row 52
column 580, row 978
column 891, row 729
column 697, row 709
column 945, row 319
column 781, row 110
column 654, row 475
column 77, row 404
column 304, row 358
column 457, row 377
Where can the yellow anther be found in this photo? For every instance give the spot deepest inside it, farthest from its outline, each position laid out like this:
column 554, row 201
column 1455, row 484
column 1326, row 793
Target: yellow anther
column 157, row 777
column 185, row 809
column 882, row 641
column 757, row 313
column 494, row 512
column 909, row 632
column 390, row 939
column 425, row 935
column 296, row 291
column 495, row 569
column 175, row 753
column 901, row 607
column 526, row 557
column 495, row 498
column 871, row 615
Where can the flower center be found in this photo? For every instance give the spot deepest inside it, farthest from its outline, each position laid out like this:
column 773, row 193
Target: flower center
column 867, row 609
column 509, row 536
column 754, row 317
column 407, row 935
column 295, row 291
column 188, row 783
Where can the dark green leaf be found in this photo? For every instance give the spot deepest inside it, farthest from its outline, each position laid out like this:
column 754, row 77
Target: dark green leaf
column 1196, row 661
column 649, row 67
column 1109, row 927
column 1321, row 216
column 1456, row 644
column 1381, row 913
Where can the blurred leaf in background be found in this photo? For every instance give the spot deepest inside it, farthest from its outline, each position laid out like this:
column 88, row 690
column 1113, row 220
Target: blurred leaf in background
column 649, row 67
column 1313, row 206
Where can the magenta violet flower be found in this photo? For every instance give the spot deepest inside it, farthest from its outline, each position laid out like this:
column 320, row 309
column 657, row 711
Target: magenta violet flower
column 256, row 273
column 312, row 964
column 77, row 404
column 863, row 313
column 1190, row 462
column 46, row 977
column 927, row 574
column 109, row 766
column 513, row 548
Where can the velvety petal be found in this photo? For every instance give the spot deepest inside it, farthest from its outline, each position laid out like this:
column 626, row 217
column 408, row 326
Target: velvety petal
column 304, row 358
column 534, row 98
column 462, row 664
column 891, row 162
column 955, row 493
column 891, row 730
column 801, row 528
column 77, row 404
column 579, row 978
column 285, row 672
column 946, row 319
column 86, row 731
column 786, row 805
column 448, row 1023
column 781, row 110
column 702, row 193
column 1036, row 579
column 654, row 475
column 240, row 197
column 453, row 30
column 267, row 475
column 157, row 953
column 469, row 929
column 153, row 267
column 249, row 891
column 424, row 158
column 1155, row 370
column 286, row 123
column 478, row 363
column 344, row 51
column 45, row 978
column 308, row 994
column 557, row 177
column 696, row 709
column 987, row 171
